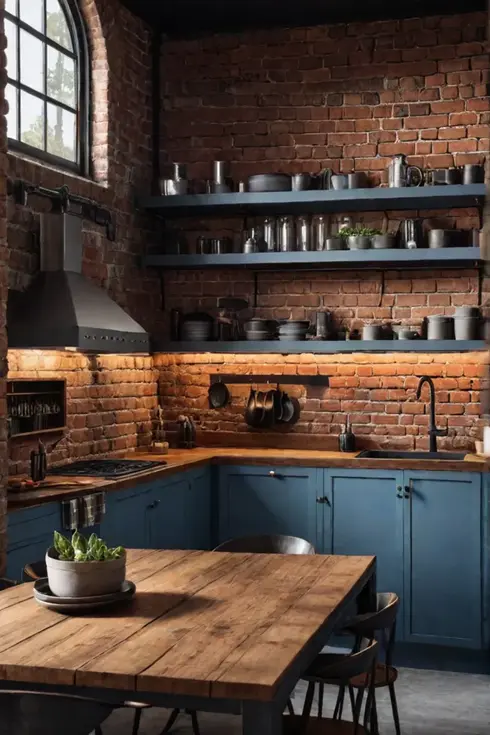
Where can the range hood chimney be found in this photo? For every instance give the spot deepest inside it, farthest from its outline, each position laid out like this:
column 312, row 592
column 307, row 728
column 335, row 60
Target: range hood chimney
column 62, row 309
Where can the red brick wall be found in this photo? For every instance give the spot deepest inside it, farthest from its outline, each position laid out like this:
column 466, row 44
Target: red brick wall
column 347, row 97
column 110, row 401
column 109, row 398
column 342, row 96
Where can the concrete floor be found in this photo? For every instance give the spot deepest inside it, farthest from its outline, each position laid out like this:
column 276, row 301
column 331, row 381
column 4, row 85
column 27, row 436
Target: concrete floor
column 430, row 703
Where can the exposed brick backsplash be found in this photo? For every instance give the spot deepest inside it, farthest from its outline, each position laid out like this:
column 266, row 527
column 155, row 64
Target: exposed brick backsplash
column 376, row 390
column 110, row 403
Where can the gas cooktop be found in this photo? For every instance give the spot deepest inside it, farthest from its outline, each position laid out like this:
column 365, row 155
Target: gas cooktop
column 109, row 468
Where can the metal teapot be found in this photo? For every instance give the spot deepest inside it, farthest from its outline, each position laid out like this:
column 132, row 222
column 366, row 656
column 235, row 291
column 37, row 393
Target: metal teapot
column 401, row 174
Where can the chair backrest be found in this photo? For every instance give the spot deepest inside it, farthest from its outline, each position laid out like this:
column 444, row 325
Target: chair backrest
column 45, row 713
column 35, row 570
column 269, row 544
column 5, row 583
column 387, row 604
column 353, row 664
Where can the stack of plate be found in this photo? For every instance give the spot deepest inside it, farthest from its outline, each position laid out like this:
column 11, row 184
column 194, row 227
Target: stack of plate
column 260, row 329
column 78, row 605
column 293, row 329
column 197, row 327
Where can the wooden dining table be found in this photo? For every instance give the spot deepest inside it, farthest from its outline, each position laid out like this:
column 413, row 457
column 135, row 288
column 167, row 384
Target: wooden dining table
column 212, row 631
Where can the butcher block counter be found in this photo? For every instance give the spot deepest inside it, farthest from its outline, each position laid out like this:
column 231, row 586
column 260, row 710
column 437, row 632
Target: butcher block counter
column 180, row 460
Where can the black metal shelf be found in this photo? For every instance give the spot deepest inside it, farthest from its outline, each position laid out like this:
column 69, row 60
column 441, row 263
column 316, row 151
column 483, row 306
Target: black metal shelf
column 394, row 257
column 318, row 201
column 326, row 347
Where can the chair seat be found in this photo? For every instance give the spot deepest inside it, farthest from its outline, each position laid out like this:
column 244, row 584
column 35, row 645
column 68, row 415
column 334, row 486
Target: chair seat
column 322, row 726
column 384, row 676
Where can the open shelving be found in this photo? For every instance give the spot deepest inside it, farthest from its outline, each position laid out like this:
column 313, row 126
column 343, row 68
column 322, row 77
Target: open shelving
column 324, row 347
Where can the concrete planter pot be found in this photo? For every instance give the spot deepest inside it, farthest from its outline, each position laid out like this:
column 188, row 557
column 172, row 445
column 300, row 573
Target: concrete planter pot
column 84, row 578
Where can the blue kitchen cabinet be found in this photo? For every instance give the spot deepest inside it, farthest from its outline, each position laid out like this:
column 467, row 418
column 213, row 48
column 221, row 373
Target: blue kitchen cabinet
column 30, row 534
column 443, row 558
column 366, row 515
column 180, row 512
column 428, row 545
column 127, row 517
column 271, row 500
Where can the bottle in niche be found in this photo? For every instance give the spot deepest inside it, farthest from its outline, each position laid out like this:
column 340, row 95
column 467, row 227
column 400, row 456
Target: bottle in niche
column 347, row 439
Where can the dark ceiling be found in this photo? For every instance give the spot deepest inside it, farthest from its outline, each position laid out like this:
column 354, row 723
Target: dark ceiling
column 188, row 17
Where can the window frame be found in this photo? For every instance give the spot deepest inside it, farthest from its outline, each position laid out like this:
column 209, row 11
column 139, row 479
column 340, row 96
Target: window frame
column 80, row 53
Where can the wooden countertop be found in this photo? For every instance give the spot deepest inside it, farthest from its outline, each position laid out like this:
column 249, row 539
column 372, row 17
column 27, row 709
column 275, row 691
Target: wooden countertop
column 250, row 616
column 179, row 460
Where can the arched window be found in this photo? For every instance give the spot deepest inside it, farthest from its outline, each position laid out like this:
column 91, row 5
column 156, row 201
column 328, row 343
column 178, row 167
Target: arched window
column 48, row 81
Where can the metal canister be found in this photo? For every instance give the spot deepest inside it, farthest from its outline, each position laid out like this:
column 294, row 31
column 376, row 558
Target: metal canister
column 285, row 234
column 303, row 233
column 319, row 232
column 270, row 233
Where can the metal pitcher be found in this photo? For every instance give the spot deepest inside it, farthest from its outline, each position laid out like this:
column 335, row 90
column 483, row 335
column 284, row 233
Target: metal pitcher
column 401, row 174
column 411, row 234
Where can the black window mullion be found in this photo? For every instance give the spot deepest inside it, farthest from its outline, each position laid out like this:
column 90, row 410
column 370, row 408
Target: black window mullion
column 80, row 58
column 18, row 95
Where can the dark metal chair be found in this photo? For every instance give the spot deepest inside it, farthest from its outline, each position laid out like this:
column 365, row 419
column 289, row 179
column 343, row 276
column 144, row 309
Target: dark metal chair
column 270, row 544
column 5, row 583
column 338, row 670
column 45, row 713
column 35, row 570
column 266, row 544
column 380, row 624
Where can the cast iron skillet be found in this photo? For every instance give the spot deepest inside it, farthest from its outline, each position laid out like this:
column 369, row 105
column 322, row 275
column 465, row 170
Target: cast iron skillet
column 218, row 395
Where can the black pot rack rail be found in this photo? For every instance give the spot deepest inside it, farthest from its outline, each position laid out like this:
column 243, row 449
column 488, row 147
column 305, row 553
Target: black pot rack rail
column 63, row 200
column 231, row 379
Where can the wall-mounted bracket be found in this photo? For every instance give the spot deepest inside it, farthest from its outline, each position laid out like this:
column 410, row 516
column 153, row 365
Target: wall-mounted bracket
column 315, row 380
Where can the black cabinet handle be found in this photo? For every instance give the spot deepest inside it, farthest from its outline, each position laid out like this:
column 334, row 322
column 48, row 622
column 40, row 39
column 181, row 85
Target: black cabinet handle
column 399, row 491
column 326, row 500
column 320, row 500
column 408, row 491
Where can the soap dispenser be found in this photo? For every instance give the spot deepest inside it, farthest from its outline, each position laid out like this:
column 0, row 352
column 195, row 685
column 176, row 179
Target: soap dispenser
column 347, row 439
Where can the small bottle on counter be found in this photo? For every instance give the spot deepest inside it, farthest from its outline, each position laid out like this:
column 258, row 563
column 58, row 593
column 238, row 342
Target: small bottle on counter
column 347, row 439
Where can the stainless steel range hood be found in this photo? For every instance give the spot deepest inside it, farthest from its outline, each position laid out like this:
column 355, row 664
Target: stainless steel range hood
column 64, row 310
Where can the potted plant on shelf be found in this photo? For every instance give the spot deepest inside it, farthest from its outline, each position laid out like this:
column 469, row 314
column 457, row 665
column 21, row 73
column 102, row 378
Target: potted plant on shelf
column 84, row 567
column 359, row 237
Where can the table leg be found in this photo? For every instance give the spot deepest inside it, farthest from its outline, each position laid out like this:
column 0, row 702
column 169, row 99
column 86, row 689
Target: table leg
column 261, row 718
column 366, row 600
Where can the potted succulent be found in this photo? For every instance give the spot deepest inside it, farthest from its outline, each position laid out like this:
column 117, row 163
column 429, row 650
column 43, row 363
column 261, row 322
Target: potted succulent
column 84, row 567
column 359, row 238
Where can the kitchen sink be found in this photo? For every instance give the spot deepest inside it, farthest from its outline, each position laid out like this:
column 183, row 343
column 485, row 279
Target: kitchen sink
column 393, row 454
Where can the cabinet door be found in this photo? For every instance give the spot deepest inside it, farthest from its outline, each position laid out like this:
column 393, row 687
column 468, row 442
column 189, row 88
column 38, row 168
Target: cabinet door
column 270, row 500
column 126, row 521
column 180, row 512
column 443, row 569
column 367, row 519
column 30, row 534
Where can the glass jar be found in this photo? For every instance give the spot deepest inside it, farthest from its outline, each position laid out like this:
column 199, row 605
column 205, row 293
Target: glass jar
column 285, row 234
column 303, row 233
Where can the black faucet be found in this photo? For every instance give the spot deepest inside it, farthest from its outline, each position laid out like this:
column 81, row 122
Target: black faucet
column 434, row 432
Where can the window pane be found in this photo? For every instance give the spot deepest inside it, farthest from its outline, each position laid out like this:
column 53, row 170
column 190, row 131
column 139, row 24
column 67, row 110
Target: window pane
column 11, row 33
column 61, row 133
column 56, row 25
column 32, row 12
column 31, row 62
column 61, row 77
column 11, row 97
column 31, row 120
column 11, row 7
